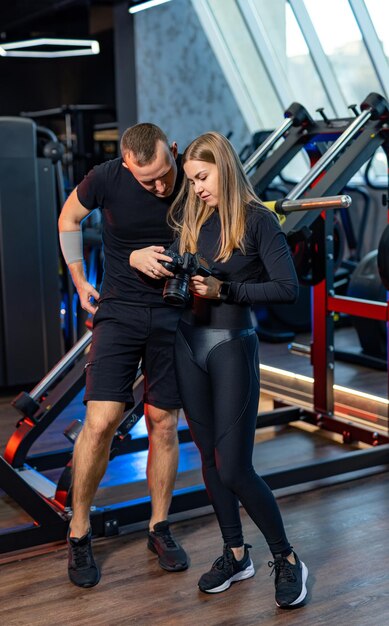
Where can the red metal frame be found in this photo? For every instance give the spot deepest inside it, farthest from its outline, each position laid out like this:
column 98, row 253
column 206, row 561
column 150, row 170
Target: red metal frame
column 324, row 304
column 360, row 308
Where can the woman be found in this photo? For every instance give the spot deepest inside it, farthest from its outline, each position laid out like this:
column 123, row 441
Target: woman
column 218, row 215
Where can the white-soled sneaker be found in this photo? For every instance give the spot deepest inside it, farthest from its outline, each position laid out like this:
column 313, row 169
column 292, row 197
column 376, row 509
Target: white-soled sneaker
column 226, row 570
column 289, row 581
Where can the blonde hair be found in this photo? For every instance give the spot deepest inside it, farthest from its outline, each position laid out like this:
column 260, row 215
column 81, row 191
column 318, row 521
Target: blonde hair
column 188, row 212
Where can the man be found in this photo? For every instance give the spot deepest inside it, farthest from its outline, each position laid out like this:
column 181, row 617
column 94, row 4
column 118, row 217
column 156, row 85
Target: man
column 131, row 322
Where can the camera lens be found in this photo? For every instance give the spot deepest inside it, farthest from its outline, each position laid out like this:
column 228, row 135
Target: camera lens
column 176, row 290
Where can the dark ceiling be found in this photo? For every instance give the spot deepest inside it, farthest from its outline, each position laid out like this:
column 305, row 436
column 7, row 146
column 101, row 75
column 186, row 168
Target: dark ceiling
column 27, row 18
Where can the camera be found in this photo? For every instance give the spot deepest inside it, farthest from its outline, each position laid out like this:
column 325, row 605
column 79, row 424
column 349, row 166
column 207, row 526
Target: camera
column 176, row 290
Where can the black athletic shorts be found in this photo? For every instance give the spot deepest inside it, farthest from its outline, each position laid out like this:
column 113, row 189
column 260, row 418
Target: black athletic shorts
column 123, row 335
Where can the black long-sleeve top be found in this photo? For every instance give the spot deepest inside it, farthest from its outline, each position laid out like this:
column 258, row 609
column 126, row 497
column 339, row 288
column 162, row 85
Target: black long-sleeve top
column 264, row 273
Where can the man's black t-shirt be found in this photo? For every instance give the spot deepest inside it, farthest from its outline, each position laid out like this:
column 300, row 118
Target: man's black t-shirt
column 133, row 218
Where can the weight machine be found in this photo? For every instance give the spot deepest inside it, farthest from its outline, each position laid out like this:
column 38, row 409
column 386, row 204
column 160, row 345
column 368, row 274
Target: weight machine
column 30, row 332
column 329, row 175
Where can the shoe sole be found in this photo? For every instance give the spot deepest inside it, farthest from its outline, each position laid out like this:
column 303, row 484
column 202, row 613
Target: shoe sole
column 177, row 568
column 247, row 573
column 304, row 576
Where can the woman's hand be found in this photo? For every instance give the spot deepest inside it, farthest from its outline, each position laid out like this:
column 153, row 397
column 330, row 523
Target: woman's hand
column 147, row 260
column 205, row 286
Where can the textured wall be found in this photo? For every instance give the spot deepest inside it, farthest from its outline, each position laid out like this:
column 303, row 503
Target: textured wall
column 179, row 82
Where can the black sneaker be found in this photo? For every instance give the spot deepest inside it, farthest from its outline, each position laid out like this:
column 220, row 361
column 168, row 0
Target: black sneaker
column 226, row 570
column 82, row 568
column 289, row 581
column 171, row 555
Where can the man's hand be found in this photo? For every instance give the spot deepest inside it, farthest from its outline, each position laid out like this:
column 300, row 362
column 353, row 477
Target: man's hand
column 86, row 291
column 205, row 286
column 147, row 260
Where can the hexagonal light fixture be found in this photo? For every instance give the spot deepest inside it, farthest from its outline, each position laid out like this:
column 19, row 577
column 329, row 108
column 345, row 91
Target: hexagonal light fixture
column 79, row 47
column 148, row 4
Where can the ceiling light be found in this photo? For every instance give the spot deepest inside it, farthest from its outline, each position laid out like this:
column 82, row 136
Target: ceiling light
column 146, row 5
column 78, row 47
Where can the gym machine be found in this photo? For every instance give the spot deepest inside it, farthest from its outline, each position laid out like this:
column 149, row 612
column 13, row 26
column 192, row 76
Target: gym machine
column 315, row 137
column 76, row 123
column 329, row 175
column 30, row 333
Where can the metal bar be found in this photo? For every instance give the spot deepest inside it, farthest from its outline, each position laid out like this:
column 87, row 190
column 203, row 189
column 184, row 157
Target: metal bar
column 300, row 349
column 351, row 432
column 361, row 358
column 61, row 366
column 309, row 204
column 275, row 162
column 266, row 145
column 26, row 536
column 356, row 155
column 22, row 493
column 279, row 416
column 361, row 308
column 338, row 176
column 27, row 432
column 329, row 155
column 321, row 358
column 342, row 464
column 44, row 113
column 50, row 460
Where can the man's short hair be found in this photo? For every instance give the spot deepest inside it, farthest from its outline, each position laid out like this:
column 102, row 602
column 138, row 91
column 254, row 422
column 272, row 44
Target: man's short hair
column 141, row 140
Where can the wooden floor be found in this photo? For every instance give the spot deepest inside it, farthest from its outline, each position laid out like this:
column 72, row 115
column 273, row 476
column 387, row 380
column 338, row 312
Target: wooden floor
column 340, row 530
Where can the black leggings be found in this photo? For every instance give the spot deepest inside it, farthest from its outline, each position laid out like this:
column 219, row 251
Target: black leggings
column 218, row 378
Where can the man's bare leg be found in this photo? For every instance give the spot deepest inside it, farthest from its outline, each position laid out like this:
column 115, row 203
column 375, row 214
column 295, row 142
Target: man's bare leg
column 161, row 475
column 90, row 459
column 162, row 460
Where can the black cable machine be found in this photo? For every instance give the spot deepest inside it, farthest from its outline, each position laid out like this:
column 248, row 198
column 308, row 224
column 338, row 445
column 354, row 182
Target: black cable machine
column 30, row 332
